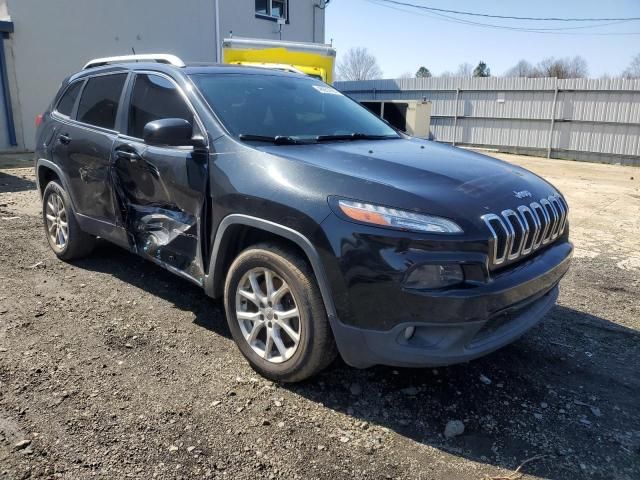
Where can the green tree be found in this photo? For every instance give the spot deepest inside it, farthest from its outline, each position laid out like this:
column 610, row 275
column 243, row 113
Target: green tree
column 482, row 70
column 423, row 72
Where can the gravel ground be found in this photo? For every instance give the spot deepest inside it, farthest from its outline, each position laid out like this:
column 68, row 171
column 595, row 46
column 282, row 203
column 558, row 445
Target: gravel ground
column 113, row 368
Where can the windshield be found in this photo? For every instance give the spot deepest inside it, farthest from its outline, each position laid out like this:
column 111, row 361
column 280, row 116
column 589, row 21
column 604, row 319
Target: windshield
column 269, row 107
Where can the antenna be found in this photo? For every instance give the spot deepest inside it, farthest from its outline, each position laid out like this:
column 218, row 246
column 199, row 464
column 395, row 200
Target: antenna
column 133, row 50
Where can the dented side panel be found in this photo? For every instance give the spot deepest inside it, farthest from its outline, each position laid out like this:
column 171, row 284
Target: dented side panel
column 160, row 195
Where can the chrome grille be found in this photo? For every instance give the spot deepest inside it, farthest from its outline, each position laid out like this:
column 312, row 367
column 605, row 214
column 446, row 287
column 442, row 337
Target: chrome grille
column 517, row 233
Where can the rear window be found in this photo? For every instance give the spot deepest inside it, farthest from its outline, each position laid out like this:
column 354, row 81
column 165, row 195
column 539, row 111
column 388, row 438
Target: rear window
column 99, row 102
column 68, row 100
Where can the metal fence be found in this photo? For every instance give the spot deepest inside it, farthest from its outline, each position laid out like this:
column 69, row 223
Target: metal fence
column 580, row 119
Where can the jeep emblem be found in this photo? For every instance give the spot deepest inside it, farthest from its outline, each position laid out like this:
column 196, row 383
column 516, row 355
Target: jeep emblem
column 522, row 193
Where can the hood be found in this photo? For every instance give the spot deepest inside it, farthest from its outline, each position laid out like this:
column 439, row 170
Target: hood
column 450, row 177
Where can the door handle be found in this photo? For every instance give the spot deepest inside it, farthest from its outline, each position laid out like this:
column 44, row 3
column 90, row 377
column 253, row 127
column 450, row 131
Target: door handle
column 131, row 156
column 64, row 138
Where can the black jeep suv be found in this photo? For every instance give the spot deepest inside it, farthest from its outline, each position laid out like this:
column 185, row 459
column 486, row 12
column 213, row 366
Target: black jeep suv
column 325, row 230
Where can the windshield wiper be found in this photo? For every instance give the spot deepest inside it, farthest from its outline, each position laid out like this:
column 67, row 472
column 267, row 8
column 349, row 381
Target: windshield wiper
column 277, row 140
column 353, row 136
column 288, row 140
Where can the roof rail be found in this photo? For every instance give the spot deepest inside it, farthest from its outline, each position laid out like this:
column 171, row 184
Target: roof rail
column 272, row 66
column 149, row 57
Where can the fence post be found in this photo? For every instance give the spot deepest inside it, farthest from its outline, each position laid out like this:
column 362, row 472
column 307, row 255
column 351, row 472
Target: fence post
column 553, row 119
column 455, row 118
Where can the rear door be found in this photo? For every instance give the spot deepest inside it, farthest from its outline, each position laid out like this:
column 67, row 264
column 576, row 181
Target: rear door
column 161, row 191
column 82, row 147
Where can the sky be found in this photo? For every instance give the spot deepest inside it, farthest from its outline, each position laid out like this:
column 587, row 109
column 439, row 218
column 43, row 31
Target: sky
column 402, row 39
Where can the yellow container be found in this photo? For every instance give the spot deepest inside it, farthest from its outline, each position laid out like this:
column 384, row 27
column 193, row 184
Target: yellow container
column 313, row 59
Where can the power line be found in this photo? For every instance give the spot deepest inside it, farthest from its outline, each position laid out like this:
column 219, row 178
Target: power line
column 521, row 28
column 552, row 31
column 549, row 31
column 508, row 17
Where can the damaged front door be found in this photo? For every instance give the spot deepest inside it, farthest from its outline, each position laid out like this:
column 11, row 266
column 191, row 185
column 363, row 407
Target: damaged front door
column 161, row 191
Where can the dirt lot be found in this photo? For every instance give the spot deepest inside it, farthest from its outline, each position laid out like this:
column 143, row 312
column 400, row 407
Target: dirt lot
column 113, row 368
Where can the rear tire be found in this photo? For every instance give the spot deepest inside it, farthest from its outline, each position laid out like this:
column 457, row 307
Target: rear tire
column 276, row 314
column 65, row 237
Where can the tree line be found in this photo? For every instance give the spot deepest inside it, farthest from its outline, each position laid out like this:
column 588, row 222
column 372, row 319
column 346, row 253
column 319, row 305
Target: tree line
column 360, row 64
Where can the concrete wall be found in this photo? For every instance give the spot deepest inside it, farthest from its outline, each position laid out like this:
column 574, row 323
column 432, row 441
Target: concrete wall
column 235, row 18
column 581, row 119
column 53, row 39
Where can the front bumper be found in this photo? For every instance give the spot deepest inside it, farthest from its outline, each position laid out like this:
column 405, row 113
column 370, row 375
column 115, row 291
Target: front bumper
column 460, row 325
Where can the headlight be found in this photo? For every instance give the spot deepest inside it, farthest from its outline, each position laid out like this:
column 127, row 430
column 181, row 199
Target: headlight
column 434, row 276
column 394, row 218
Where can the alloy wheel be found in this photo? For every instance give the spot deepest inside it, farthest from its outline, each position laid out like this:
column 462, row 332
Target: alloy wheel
column 268, row 315
column 57, row 222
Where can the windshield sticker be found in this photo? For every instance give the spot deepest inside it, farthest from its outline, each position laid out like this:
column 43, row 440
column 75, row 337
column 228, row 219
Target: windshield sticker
column 329, row 90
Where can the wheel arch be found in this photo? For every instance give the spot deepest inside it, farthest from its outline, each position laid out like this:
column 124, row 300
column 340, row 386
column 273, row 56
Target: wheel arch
column 46, row 171
column 236, row 224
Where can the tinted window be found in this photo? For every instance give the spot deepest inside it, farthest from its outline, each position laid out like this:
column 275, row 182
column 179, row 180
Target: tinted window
column 154, row 98
column 99, row 102
column 262, row 6
column 278, row 8
column 68, row 100
column 273, row 8
column 273, row 105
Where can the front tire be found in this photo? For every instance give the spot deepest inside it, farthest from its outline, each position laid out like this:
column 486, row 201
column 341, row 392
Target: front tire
column 276, row 314
column 65, row 237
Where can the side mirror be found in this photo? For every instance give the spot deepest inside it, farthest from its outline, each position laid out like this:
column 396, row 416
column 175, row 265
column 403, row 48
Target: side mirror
column 171, row 132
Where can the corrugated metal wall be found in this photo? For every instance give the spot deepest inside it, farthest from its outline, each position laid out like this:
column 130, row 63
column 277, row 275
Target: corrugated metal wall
column 583, row 119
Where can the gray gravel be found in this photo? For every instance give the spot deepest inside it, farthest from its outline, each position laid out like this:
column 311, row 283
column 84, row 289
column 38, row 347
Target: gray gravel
column 113, row 368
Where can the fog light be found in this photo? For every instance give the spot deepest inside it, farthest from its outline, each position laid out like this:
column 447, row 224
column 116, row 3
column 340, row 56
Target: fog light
column 434, row 276
column 408, row 332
